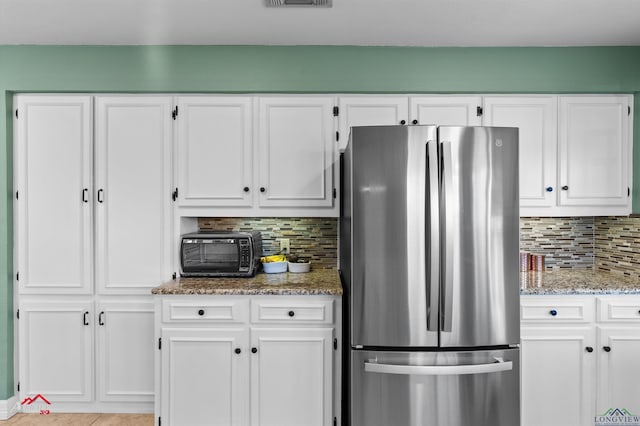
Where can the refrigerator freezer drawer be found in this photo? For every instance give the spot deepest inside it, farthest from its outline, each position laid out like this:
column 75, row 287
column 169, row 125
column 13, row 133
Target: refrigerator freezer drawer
column 479, row 388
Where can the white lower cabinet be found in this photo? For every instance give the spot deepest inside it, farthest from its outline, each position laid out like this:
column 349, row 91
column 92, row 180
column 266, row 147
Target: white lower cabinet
column 84, row 359
column 579, row 358
column 241, row 369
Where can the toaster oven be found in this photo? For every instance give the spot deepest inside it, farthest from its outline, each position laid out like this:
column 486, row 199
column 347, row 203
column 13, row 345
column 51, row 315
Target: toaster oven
column 220, row 254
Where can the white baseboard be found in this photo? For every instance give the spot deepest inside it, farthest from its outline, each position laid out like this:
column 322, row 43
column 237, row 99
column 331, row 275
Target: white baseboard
column 8, row 407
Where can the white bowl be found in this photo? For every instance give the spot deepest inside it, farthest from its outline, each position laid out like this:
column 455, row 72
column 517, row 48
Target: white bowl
column 299, row 267
column 274, row 267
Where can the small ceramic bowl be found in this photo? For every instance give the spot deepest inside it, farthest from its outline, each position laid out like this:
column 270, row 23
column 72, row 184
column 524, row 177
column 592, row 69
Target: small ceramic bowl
column 274, row 267
column 299, row 267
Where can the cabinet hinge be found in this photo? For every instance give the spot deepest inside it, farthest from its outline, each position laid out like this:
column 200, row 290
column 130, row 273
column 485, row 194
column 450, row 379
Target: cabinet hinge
column 18, row 317
column 174, row 276
column 159, row 343
column 18, row 386
column 479, row 111
column 174, row 195
column 335, row 344
column 337, row 136
column 16, row 112
column 336, row 111
column 335, row 193
column 174, row 113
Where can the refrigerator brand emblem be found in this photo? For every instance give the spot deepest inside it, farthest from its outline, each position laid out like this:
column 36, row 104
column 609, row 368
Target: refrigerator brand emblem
column 498, row 142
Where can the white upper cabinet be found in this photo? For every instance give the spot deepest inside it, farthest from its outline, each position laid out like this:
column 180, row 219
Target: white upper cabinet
column 214, row 151
column 370, row 111
column 446, row 110
column 535, row 116
column 133, row 193
column 295, row 151
column 595, row 153
column 53, row 202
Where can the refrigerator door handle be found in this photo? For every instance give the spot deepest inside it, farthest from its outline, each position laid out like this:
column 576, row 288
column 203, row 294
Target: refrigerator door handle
column 439, row 370
column 433, row 268
column 447, row 236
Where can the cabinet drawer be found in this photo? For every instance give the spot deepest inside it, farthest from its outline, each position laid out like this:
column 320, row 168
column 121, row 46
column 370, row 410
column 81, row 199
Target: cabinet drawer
column 292, row 311
column 572, row 309
column 206, row 310
column 619, row 308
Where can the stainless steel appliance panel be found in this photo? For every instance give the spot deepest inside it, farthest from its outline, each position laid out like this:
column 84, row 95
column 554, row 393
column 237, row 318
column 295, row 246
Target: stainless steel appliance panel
column 479, row 236
column 479, row 388
column 387, row 168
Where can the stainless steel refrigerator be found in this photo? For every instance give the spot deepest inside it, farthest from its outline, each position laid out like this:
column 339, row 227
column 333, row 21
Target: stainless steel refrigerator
column 429, row 262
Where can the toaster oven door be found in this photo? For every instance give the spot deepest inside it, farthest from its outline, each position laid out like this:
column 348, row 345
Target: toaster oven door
column 210, row 256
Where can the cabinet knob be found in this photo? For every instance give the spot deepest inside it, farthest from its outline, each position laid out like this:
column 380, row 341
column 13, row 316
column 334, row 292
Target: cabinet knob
column 606, row 348
column 201, row 312
column 553, row 312
column 403, row 121
column 246, row 189
column 254, row 350
column 589, row 349
column 292, row 314
column 565, row 188
column 549, row 189
column 415, row 121
column 263, row 189
column 238, row 350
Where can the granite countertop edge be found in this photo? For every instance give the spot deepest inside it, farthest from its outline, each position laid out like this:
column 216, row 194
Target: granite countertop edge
column 322, row 282
column 577, row 282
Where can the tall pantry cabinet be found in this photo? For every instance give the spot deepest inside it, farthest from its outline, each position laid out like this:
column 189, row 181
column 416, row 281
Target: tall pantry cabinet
column 92, row 224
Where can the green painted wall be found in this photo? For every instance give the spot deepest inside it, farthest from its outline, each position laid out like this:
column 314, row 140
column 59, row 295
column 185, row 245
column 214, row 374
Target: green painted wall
column 289, row 69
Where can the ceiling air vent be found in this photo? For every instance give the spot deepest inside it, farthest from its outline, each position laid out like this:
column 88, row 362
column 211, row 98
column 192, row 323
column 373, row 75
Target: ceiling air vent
column 296, row 3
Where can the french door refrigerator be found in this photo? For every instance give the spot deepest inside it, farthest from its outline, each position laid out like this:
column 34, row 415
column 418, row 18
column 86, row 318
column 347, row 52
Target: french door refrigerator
column 429, row 262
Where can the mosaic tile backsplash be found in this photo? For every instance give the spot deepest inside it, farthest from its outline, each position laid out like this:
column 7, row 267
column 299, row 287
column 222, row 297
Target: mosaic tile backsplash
column 566, row 242
column 314, row 238
column 609, row 244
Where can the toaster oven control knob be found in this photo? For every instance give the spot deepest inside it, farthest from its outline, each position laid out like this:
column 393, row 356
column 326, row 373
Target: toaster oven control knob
column 246, row 189
column 238, row 350
column 201, row 312
column 263, row 189
column 254, row 350
column 292, row 314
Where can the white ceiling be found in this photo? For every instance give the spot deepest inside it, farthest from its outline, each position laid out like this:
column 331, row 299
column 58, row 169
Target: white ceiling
column 348, row 22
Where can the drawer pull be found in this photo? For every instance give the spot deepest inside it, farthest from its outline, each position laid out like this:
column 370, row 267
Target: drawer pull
column 254, row 350
column 238, row 351
column 589, row 349
column 292, row 314
column 553, row 312
column 606, row 348
column 201, row 312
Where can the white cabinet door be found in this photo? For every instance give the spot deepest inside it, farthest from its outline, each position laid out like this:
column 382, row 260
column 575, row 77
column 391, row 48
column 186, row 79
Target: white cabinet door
column 594, row 152
column 535, row 116
column 446, row 110
column 205, row 377
column 557, row 376
column 296, row 153
column 133, row 193
column 618, row 368
column 291, row 377
column 53, row 162
column 370, row 111
column 125, row 351
column 55, row 350
column 214, row 151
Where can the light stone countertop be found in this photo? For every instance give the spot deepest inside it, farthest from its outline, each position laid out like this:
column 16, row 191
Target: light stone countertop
column 577, row 281
column 316, row 282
